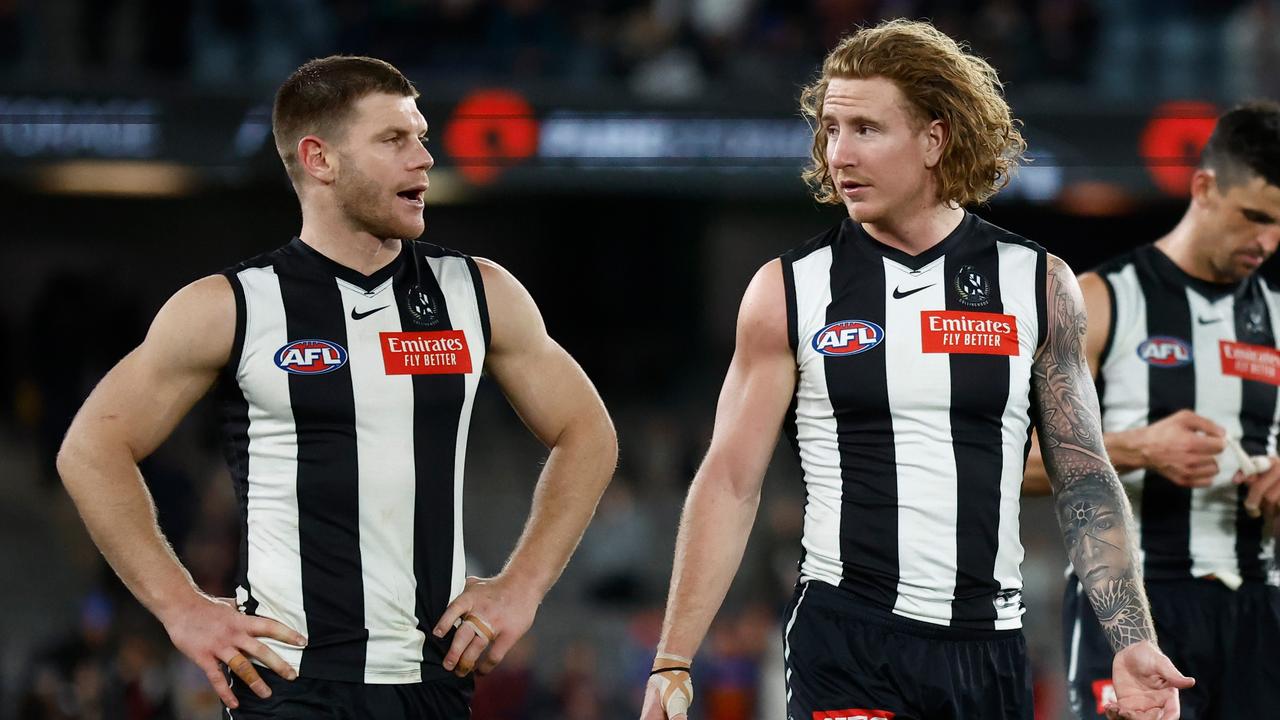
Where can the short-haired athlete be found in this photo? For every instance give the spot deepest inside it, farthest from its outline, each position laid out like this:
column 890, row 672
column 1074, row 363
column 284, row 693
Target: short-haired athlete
column 908, row 351
column 346, row 364
column 1182, row 343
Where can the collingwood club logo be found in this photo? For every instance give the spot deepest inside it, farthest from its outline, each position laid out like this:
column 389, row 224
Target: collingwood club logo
column 421, row 307
column 971, row 287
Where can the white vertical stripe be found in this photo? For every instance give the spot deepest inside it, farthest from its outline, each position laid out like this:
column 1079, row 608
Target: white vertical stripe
column 386, row 483
column 1218, row 397
column 786, row 639
column 1018, row 292
column 816, row 424
column 1126, row 398
column 919, row 390
column 274, row 565
column 454, row 276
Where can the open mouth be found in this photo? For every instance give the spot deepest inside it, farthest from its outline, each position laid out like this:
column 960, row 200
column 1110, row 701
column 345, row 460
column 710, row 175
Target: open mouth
column 849, row 186
column 413, row 195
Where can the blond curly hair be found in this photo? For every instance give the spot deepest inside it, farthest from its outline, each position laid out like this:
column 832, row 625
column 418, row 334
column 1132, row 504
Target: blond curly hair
column 943, row 81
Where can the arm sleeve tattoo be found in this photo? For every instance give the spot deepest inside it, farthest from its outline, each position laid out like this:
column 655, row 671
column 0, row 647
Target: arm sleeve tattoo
column 1093, row 512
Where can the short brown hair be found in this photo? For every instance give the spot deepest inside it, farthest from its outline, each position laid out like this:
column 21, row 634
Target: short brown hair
column 318, row 97
column 942, row 81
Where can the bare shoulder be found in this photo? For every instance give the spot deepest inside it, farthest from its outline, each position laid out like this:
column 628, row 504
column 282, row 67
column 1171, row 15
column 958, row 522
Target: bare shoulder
column 514, row 318
column 196, row 327
column 762, row 317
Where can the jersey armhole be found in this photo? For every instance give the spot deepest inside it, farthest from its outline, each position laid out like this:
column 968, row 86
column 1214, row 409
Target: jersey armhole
column 1111, row 325
column 482, row 305
column 232, row 367
column 789, row 290
column 1042, row 297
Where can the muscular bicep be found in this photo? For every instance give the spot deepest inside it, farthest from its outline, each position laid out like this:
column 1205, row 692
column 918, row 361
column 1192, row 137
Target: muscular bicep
column 758, row 385
column 544, row 384
column 139, row 402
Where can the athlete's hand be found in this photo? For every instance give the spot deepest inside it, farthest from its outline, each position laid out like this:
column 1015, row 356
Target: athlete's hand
column 1182, row 447
column 668, row 694
column 653, row 708
column 211, row 631
column 1146, row 684
column 1264, row 491
column 491, row 614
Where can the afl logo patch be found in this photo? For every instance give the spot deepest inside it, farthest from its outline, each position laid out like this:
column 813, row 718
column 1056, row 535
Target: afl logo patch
column 848, row 337
column 311, row 357
column 971, row 287
column 1165, row 351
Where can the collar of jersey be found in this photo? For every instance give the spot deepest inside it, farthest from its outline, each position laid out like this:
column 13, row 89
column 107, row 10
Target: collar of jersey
column 855, row 233
column 367, row 283
column 1169, row 271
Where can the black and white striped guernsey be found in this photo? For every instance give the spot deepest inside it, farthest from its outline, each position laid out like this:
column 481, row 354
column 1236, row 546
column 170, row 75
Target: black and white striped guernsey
column 911, row 417
column 1178, row 342
column 347, row 401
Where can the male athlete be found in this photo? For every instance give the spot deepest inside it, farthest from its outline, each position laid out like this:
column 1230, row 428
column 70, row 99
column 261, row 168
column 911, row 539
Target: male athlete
column 346, row 364
column 1182, row 342
column 909, row 350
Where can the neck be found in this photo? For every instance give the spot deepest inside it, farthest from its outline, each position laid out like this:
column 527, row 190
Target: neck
column 919, row 232
column 330, row 234
column 1182, row 246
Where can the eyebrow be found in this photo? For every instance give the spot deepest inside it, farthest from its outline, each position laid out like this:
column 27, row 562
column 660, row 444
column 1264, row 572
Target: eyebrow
column 854, row 120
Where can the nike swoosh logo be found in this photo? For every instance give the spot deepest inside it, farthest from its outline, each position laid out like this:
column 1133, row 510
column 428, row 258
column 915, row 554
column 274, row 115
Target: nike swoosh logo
column 898, row 294
column 362, row 315
column 1209, row 321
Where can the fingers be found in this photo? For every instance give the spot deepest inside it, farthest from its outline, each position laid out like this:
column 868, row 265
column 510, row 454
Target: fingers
column 1259, row 490
column 461, row 641
column 1200, row 423
column 219, row 683
column 274, row 629
column 498, row 650
column 1198, row 473
column 240, row 665
column 1174, row 677
column 471, row 655
column 460, row 606
column 267, row 657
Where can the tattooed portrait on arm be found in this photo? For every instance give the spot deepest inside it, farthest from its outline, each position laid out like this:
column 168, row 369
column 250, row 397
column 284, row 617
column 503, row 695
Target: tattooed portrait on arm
column 1092, row 509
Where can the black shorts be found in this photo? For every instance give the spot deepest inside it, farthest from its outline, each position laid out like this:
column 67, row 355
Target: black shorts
column 847, row 660
column 1229, row 641
column 448, row 699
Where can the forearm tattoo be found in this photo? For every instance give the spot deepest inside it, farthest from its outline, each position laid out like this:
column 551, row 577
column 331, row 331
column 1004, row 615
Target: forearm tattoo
column 1097, row 524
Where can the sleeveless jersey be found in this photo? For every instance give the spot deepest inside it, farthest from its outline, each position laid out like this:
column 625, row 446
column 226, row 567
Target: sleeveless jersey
column 911, row 417
column 1178, row 342
column 347, row 402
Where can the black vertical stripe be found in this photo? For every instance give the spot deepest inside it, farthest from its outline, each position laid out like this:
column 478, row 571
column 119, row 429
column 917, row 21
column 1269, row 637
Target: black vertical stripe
column 1166, row 507
column 328, row 490
column 789, row 428
column 858, row 388
column 235, row 414
column 482, row 303
column 437, row 408
column 1257, row 415
column 977, row 421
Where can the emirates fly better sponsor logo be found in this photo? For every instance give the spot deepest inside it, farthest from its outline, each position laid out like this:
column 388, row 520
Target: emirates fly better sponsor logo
column 1251, row 362
column 425, row 353
column 852, row 714
column 310, row 357
column 848, row 337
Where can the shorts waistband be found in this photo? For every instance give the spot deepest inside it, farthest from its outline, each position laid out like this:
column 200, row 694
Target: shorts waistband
column 841, row 602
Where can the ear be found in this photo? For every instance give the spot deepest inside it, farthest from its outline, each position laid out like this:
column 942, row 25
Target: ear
column 1204, row 188
column 935, row 138
column 317, row 159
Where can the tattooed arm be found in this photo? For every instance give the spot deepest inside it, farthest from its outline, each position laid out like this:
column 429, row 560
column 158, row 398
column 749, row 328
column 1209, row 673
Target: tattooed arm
column 1097, row 523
